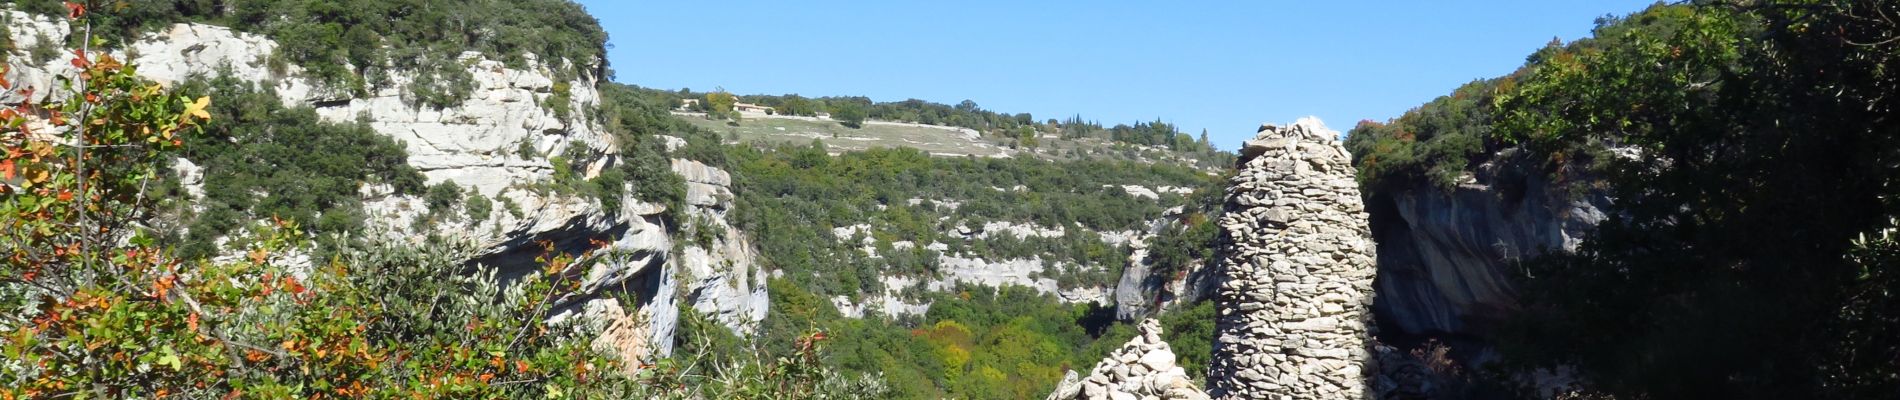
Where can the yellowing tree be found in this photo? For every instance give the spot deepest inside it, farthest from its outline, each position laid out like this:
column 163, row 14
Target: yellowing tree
column 720, row 103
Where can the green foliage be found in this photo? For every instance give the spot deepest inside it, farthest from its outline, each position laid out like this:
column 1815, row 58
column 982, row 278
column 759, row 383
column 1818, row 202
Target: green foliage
column 443, row 197
column 849, row 114
column 1004, row 129
column 719, row 105
column 639, row 115
column 562, row 100
column 442, row 83
column 978, row 343
column 514, row 210
column 1759, row 145
column 525, row 149
column 789, row 195
column 1190, row 332
column 93, row 307
column 262, row 160
column 478, row 207
column 1176, row 250
column 44, row 50
column 1437, row 142
column 102, row 317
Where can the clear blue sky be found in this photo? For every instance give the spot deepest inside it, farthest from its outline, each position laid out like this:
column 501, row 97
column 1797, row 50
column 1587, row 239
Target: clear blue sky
column 1226, row 66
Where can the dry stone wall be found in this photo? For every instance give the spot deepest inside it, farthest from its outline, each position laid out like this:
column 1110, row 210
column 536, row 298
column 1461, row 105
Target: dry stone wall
column 1296, row 272
column 1142, row 369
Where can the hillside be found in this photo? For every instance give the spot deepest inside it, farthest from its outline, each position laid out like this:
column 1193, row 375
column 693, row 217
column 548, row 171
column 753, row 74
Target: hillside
column 857, row 123
column 453, row 199
column 1691, row 203
column 482, row 170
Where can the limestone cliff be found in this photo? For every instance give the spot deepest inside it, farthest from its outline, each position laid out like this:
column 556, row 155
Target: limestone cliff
column 1137, row 292
column 1296, row 273
column 1445, row 255
column 475, row 145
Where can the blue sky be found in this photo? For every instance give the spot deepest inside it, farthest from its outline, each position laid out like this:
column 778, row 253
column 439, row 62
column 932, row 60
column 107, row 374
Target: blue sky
column 1226, row 66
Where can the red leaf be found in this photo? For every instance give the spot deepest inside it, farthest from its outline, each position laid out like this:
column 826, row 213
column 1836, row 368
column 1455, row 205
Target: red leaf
column 79, row 59
column 6, row 169
column 75, row 10
column 291, row 285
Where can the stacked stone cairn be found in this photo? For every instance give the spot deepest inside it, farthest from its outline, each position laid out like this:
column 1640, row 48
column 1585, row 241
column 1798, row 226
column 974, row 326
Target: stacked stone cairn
column 1296, row 272
column 1142, row 369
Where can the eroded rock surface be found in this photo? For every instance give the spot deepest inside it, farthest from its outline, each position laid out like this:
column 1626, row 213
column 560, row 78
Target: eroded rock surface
column 1445, row 255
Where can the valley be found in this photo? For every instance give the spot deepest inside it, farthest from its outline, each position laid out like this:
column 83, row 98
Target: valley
column 462, row 199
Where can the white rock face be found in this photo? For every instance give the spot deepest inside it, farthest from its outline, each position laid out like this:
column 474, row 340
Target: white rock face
column 1135, row 295
column 474, row 144
column 1296, row 277
column 1141, row 292
column 1144, row 368
column 722, row 277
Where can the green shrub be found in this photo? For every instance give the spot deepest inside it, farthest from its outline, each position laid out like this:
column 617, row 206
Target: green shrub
column 441, row 83
column 443, row 197
column 514, row 210
column 1436, row 143
column 525, row 149
column 478, row 207
column 561, row 101
column 44, row 50
column 263, row 160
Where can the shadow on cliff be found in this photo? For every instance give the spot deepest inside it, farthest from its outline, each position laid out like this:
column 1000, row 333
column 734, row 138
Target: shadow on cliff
column 1447, row 262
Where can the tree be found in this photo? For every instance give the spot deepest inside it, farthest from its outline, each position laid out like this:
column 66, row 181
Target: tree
column 1737, row 265
column 849, row 114
column 967, row 106
column 719, row 104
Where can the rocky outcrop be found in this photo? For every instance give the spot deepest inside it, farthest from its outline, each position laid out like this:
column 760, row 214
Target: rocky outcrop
column 478, row 145
column 1144, row 368
column 1142, row 292
column 721, row 278
column 1445, row 255
column 1296, row 272
column 1137, row 293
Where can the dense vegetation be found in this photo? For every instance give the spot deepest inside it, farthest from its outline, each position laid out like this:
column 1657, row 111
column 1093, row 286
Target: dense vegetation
column 977, row 342
column 1437, row 143
column 257, row 162
column 355, row 46
column 1020, row 128
column 791, row 194
column 89, row 315
column 96, row 307
column 1751, row 256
